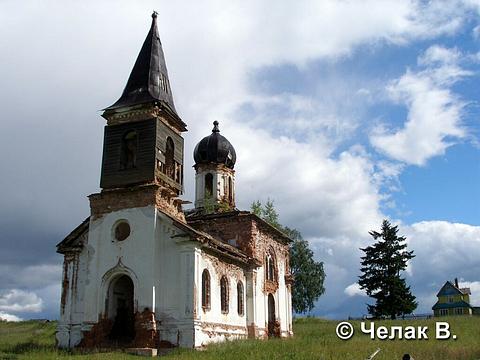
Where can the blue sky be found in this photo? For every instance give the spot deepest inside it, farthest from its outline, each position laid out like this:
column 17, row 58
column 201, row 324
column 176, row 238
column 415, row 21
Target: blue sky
column 344, row 113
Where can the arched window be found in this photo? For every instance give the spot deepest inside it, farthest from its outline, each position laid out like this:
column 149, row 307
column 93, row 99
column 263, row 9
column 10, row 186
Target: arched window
column 240, row 306
column 208, row 185
column 224, row 294
column 206, row 290
column 128, row 157
column 169, row 161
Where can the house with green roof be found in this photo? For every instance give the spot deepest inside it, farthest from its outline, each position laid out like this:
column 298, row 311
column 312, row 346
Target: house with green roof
column 453, row 300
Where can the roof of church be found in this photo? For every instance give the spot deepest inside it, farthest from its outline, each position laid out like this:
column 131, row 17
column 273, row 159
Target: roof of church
column 72, row 240
column 216, row 149
column 195, row 215
column 148, row 81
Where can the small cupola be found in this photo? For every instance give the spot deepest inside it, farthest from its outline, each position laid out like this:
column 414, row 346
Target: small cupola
column 215, row 149
column 214, row 159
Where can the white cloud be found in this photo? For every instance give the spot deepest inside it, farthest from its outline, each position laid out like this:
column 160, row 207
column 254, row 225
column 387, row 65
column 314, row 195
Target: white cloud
column 476, row 32
column 310, row 188
column 434, row 111
column 16, row 300
column 354, row 290
column 436, row 54
column 474, row 288
column 444, row 251
column 9, row 317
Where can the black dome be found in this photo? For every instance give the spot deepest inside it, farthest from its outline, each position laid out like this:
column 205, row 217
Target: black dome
column 215, row 148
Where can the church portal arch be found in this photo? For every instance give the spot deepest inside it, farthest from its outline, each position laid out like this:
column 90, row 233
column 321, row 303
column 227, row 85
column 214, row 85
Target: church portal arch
column 120, row 308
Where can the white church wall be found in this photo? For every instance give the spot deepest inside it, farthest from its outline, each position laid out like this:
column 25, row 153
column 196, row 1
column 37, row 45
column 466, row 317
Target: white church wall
column 211, row 325
column 72, row 303
column 174, row 282
column 261, row 304
column 111, row 258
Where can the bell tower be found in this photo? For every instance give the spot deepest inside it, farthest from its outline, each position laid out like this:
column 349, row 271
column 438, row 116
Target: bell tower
column 143, row 143
column 214, row 158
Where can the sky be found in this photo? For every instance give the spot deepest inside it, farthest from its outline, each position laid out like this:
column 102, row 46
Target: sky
column 343, row 113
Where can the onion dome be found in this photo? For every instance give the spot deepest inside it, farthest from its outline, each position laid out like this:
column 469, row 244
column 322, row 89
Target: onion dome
column 216, row 149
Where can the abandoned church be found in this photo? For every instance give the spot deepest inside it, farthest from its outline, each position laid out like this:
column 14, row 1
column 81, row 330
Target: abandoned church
column 143, row 272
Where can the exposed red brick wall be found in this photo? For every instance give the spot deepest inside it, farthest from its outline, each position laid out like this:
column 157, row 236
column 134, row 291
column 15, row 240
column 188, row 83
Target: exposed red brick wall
column 140, row 196
column 146, row 334
column 98, row 334
column 232, row 227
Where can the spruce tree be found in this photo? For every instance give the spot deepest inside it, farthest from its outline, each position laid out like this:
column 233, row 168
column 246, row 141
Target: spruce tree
column 381, row 270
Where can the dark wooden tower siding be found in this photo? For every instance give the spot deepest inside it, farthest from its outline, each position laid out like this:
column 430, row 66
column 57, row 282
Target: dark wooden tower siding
column 150, row 155
column 113, row 173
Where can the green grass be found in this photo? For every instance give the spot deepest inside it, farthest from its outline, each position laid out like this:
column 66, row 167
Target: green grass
column 314, row 339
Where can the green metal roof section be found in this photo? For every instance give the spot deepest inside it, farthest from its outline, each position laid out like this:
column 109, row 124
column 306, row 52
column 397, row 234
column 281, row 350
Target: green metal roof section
column 458, row 304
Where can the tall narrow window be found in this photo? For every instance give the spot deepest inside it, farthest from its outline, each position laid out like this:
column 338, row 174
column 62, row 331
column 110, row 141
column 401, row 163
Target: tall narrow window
column 206, row 290
column 230, row 190
column 271, row 269
column 169, row 161
column 128, row 157
column 208, row 185
column 270, row 266
column 240, row 306
column 224, row 294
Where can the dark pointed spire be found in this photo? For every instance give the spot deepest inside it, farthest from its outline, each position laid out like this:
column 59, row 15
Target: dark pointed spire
column 148, row 81
column 215, row 127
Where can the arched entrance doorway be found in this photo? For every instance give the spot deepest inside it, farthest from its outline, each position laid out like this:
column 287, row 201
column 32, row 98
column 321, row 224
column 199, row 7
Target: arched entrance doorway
column 271, row 316
column 120, row 309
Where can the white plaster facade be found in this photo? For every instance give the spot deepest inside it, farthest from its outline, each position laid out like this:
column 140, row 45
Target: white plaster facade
column 165, row 265
column 222, row 186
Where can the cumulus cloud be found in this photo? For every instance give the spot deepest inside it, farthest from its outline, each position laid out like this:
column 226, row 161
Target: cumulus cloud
column 9, row 317
column 16, row 300
column 354, row 290
column 434, row 111
column 444, row 251
column 474, row 288
column 310, row 187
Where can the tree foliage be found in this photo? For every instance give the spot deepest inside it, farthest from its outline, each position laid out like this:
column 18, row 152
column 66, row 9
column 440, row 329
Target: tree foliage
column 309, row 275
column 381, row 270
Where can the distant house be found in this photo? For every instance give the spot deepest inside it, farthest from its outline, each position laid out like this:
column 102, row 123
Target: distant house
column 453, row 300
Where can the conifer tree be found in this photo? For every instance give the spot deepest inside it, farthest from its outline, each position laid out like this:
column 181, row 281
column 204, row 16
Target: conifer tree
column 381, row 270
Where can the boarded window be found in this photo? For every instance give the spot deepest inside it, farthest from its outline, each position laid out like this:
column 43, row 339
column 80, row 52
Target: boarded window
column 208, row 185
column 240, row 305
column 128, row 158
column 224, row 294
column 206, row 290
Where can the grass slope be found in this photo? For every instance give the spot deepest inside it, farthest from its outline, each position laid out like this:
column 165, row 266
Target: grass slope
column 314, row 339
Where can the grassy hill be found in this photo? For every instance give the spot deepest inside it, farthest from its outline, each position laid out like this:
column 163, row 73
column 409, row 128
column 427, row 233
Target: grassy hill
column 314, row 339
